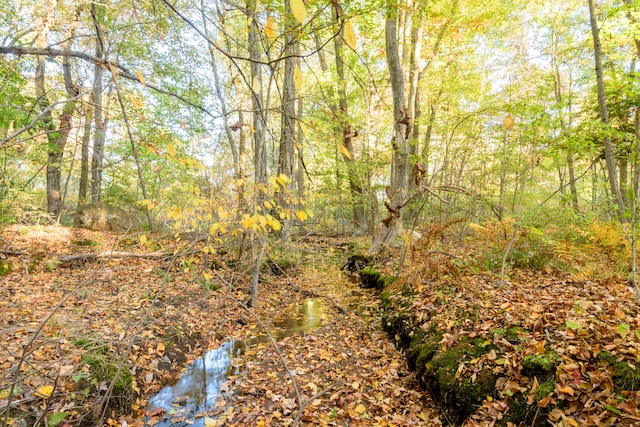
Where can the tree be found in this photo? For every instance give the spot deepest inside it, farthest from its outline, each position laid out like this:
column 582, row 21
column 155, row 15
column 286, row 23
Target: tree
column 344, row 130
column 604, row 112
column 397, row 191
column 57, row 136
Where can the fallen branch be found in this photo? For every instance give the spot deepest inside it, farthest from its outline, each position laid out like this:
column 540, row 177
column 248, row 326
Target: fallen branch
column 113, row 254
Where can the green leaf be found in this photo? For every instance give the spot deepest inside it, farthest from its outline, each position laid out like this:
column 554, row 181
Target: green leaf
column 573, row 325
column 624, row 329
column 56, row 418
column 613, row 409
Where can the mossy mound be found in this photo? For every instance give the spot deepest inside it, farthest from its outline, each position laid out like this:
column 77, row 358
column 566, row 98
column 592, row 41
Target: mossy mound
column 625, row 377
column 437, row 364
column 371, row 278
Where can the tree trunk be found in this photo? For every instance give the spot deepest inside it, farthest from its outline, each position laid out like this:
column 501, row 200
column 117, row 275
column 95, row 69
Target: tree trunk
column 287, row 126
column 604, row 113
column 57, row 138
column 84, row 156
column 259, row 152
column 397, row 191
column 347, row 133
column 557, row 84
column 97, row 159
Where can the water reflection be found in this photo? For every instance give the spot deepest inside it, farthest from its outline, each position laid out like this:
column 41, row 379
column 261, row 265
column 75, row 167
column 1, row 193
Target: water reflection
column 198, row 387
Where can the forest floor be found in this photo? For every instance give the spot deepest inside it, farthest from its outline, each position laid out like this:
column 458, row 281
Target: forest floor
column 73, row 333
column 91, row 341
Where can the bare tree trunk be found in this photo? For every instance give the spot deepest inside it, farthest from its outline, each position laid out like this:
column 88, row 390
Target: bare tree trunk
column 259, row 151
column 84, row 156
column 397, row 191
column 557, row 83
column 347, row 133
column 604, row 112
column 219, row 94
column 287, row 127
column 97, row 160
column 57, row 137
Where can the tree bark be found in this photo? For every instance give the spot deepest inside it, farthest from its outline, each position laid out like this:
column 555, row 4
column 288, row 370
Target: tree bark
column 557, row 83
column 287, row 125
column 345, row 130
column 397, row 191
column 97, row 159
column 259, row 152
column 604, row 112
column 84, row 156
column 57, row 138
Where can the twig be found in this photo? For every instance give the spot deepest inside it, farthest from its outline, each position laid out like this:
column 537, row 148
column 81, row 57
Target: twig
column 309, row 400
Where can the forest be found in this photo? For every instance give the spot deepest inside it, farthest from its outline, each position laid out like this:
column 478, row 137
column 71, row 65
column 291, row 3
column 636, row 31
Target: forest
column 319, row 212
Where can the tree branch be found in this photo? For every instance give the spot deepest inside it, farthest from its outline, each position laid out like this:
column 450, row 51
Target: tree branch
column 111, row 65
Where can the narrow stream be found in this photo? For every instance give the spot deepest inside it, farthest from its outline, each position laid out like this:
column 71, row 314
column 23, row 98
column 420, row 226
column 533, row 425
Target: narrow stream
column 197, row 388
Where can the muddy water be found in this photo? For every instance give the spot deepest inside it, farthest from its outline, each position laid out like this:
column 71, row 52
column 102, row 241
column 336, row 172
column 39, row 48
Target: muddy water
column 196, row 390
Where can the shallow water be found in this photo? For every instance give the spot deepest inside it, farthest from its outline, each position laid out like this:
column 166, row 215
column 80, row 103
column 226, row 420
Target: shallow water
column 196, row 390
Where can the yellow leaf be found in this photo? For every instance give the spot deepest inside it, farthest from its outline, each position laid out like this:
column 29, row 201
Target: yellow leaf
column 44, row 391
column 298, row 10
column 210, row 422
column 255, row 85
column 297, row 78
column 274, row 223
column 283, row 179
column 251, row 129
column 302, row 215
column 344, row 151
column 360, row 409
column 268, row 205
column 304, row 128
column 270, row 29
column 137, row 102
column 143, row 239
column 171, row 149
column 141, row 78
column 508, row 122
column 350, row 35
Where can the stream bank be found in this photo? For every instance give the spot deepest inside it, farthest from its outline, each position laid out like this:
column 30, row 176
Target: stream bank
column 346, row 370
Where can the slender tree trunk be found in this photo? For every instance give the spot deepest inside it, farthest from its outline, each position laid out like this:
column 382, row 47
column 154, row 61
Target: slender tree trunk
column 397, row 191
column 84, row 156
column 557, row 83
column 299, row 146
column 259, row 151
column 604, row 113
column 347, row 133
column 221, row 99
column 287, row 126
column 57, row 137
column 100, row 127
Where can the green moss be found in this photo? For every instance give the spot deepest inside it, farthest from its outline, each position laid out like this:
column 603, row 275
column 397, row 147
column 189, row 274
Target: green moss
column 521, row 413
column 545, row 389
column 513, row 334
column 624, row 376
column 102, row 369
column 370, row 278
column 460, row 397
column 5, row 268
column 540, row 363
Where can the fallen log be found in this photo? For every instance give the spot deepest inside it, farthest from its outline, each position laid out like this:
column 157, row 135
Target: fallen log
column 113, row 255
